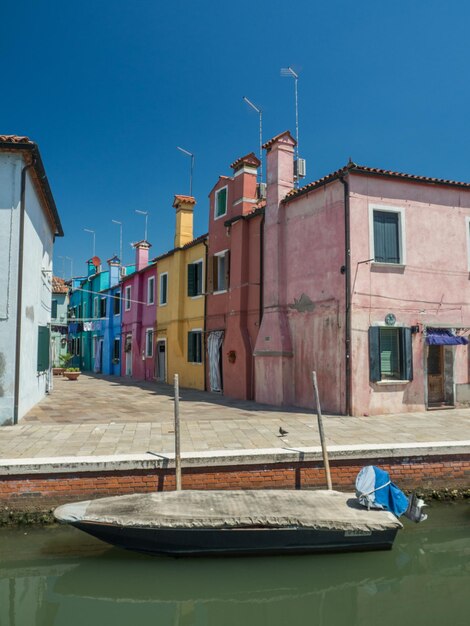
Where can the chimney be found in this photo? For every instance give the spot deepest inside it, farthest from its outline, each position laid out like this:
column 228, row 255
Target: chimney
column 184, row 206
column 114, row 265
column 280, row 170
column 141, row 254
column 93, row 265
column 245, row 172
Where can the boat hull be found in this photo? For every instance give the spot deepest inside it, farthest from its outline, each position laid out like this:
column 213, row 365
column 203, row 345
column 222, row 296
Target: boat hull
column 237, row 541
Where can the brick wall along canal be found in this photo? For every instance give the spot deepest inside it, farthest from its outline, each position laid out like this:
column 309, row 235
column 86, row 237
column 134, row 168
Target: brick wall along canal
column 58, row 576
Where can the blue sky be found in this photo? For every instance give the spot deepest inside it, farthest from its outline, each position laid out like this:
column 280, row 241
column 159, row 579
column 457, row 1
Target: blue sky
column 108, row 89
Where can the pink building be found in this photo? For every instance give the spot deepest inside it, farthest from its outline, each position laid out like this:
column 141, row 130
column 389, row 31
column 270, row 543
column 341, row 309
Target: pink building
column 139, row 317
column 366, row 282
column 234, row 271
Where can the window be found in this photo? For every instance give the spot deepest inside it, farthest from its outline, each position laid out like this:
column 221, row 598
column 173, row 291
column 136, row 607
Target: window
column 84, row 310
column 149, row 342
column 44, row 342
column 387, row 235
column 195, row 346
column 163, row 297
column 102, row 307
column 117, row 303
column 220, row 271
column 54, row 310
column 117, row 349
column 220, row 202
column 195, row 279
column 77, row 346
column 151, row 290
column 95, row 307
column 127, row 298
column 390, row 354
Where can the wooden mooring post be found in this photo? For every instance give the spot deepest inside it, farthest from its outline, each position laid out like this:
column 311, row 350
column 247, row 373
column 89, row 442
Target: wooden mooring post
column 322, row 434
column 177, row 434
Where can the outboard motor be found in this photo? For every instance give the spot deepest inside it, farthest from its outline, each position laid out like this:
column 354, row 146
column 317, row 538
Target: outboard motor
column 375, row 490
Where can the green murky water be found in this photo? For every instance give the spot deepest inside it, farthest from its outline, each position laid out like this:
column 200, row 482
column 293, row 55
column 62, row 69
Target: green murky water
column 59, row 576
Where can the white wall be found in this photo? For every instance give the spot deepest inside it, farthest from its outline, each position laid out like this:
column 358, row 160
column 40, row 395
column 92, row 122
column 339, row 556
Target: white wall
column 37, row 277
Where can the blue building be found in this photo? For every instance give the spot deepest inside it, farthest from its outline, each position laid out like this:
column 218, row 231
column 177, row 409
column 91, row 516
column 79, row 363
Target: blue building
column 111, row 324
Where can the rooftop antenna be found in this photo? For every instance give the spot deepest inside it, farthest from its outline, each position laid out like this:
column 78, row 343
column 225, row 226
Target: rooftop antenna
column 260, row 113
column 146, row 213
column 120, row 239
column 299, row 165
column 69, row 258
column 190, row 154
column 63, row 265
column 88, row 230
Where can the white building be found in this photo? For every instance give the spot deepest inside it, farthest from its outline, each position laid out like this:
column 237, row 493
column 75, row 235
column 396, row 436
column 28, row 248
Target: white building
column 29, row 224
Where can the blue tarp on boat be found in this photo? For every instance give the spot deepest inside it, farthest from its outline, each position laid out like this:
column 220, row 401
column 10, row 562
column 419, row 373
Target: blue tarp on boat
column 375, row 490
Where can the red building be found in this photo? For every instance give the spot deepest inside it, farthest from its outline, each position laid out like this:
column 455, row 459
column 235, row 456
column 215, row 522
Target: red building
column 234, row 280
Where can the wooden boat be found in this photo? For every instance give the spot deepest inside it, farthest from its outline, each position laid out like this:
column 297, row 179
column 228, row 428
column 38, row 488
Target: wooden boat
column 193, row 523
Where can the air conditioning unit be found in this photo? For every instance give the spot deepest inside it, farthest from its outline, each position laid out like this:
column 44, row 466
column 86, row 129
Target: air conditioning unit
column 261, row 191
column 300, row 168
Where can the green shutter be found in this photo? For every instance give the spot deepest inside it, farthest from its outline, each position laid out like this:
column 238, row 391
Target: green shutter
column 191, row 279
column 43, row 348
column 221, row 207
column 191, row 347
column 390, row 352
column 386, row 237
column 54, row 309
column 374, row 354
column 198, row 279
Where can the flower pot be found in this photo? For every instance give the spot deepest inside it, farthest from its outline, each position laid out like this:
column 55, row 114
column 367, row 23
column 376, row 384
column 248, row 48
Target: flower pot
column 58, row 371
column 72, row 375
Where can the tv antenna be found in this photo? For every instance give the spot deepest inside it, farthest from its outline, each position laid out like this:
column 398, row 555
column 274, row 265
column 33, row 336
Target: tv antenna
column 299, row 164
column 260, row 113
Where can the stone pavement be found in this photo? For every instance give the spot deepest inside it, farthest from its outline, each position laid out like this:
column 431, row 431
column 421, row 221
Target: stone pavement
column 100, row 416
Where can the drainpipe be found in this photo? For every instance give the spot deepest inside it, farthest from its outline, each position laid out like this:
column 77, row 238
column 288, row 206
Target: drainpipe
column 347, row 271
column 205, row 312
column 19, row 296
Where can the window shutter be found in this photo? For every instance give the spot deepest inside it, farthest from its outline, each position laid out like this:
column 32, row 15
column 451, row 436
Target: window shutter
column 191, row 279
column 374, row 354
column 227, row 269
column 210, row 274
column 54, row 309
column 43, row 348
column 407, row 354
column 386, row 237
column 198, row 279
column 190, row 347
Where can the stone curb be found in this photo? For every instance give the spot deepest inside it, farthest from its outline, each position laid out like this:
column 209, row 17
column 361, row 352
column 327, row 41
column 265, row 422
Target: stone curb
column 224, row 458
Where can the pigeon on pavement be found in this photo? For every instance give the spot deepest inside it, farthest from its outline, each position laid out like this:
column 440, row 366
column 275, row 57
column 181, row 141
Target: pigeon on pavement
column 282, row 432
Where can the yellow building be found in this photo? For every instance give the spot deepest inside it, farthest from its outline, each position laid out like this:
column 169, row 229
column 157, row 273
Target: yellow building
column 181, row 303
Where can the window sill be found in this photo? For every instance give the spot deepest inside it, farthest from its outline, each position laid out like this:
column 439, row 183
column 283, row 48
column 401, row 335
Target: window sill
column 194, row 363
column 391, row 265
column 392, row 382
column 216, row 293
column 196, row 297
column 217, row 217
column 163, row 304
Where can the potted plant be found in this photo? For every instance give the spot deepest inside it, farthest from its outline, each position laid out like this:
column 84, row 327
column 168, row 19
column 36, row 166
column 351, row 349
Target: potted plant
column 72, row 373
column 64, row 360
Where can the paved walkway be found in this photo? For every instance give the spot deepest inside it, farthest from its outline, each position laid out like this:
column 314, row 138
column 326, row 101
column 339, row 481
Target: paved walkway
column 98, row 416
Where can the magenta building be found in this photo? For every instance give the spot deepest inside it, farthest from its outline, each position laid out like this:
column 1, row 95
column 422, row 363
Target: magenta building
column 139, row 317
column 234, row 279
column 366, row 282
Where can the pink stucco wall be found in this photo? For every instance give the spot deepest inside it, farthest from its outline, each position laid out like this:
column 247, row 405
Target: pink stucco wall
column 303, row 318
column 431, row 289
column 137, row 320
column 237, row 312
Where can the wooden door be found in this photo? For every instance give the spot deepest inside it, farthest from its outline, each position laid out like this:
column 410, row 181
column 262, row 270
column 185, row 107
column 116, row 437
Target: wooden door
column 435, row 374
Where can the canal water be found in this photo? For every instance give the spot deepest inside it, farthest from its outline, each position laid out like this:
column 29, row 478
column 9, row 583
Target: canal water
column 60, row 576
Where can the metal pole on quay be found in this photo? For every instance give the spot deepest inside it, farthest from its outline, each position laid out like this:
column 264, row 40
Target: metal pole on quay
column 322, row 434
column 177, row 434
